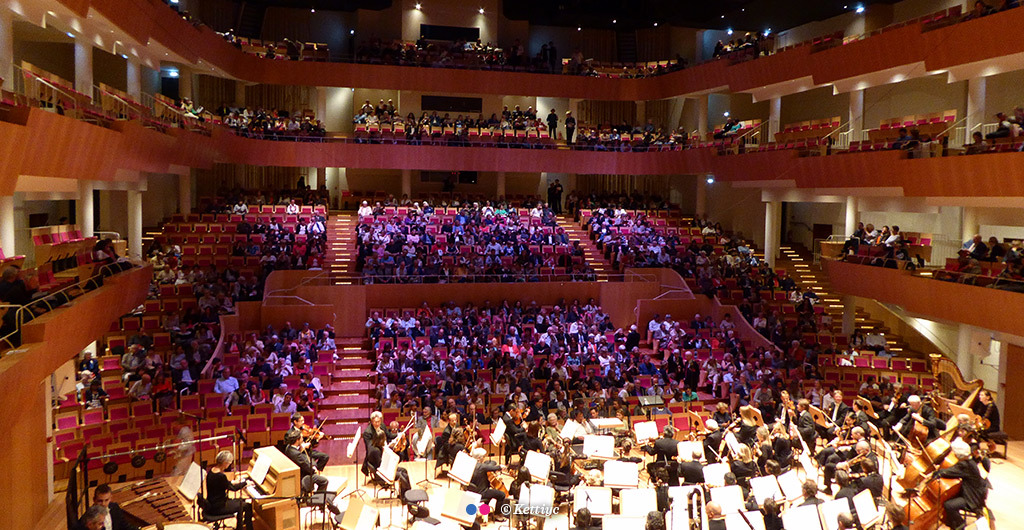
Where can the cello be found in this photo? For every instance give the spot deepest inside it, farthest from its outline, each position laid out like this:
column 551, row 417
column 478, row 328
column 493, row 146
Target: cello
column 925, row 493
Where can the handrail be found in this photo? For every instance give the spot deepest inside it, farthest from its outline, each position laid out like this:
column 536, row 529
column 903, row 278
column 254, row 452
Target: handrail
column 292, row 297
column 68, row 99
column 951, row 127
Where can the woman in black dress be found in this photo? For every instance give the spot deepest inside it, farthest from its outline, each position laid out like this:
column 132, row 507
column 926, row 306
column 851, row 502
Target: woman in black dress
column 218, row 486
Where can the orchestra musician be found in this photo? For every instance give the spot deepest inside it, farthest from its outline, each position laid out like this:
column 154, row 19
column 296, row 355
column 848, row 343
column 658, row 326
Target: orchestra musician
column 973, row 487
column 713, row 441
column 514, row 431
column 986, row 408
column 312, row 481
column 532, row 442
column 871, row 480
column 846, row 488
column 840, row 450
column 217, row 487
column 919, row 412
column 743, row 466
column 551, row 436
column 805, row 424
column 481, row 482
column 692, row 472
column 764, row 450
column 716, row 520
column 375, row 437
column 782, row 447
column 312, row 437
column 835, row 412
column 665, row 451
column 443, row 442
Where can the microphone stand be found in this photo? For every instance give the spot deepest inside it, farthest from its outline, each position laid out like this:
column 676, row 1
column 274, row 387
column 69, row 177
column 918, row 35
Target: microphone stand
column 202, row 464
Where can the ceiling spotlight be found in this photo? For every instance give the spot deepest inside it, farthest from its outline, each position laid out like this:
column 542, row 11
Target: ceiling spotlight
column 655, row 24
column 859, row 9
column 710, row 179
column 418, row 6
column 728, row 31
column 312, row 10
column 481, row 10
column 726, row 114
column 767, row 32
column 723, row 17
column 351, row 32
column 615, row 21
column 579, row 28
column 744, row 10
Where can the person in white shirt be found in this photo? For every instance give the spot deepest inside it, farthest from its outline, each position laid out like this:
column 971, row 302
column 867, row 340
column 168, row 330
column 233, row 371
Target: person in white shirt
column 240, row 208
column 365, row 210
column 292, row 208
column 286, row 405
column 225, row 384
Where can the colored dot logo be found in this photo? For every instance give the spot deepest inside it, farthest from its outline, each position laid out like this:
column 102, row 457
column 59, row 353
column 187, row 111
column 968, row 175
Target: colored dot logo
column 483, row 509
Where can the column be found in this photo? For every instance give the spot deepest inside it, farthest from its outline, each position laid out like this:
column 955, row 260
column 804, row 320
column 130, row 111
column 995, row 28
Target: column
column 641, row 113
column 134, row 223
column 975, row 105
column 7, row 48
column 969, row 223
column 83, row 65
column 857, row 115
column 312, row 177
column 340, row 184
column 500, row 184
column 849, row 314
column 964, row 351
column 7, row 225
column 240, row 94
column 184, row 82
column 321, row 102
column 851, row 215
column 772, row 229
column 702, row 117
column 407, row 183
column 321, row 179
column 133, row 72
column 701, row 196
column 185, row 193
column 774, row 118
column 85, row 210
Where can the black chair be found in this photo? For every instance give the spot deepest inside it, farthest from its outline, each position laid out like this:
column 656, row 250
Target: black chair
column 217, row 521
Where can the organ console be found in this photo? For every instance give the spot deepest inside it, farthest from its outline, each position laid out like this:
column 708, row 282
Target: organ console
column 276, row 488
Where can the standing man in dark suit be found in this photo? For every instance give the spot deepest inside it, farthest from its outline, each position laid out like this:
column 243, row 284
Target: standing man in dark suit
column 375, row 437
column 665, row 451
column 114, row 518
column 805, row 424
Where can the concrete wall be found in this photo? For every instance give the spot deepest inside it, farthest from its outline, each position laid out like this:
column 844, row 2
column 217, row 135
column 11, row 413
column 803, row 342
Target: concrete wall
column 460, row 14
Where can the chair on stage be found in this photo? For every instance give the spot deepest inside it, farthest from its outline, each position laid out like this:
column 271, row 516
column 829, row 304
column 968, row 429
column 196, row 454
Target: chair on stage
column 217, row 521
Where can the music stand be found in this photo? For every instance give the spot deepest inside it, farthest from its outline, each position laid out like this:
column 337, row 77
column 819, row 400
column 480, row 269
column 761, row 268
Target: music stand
column 648, row 402
column 386, row 472
column 422, row 444
column 353, row 449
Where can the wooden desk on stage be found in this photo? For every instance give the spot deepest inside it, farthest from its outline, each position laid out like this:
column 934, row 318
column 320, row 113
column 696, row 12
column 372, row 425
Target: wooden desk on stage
column 282, row 480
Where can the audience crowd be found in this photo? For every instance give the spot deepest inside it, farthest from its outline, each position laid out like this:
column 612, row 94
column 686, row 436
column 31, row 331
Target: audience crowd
column 270, row 124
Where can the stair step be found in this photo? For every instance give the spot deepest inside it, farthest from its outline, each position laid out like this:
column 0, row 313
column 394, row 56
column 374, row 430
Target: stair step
column 346, row 401
column 342, row 415
column 341, row 375
column 343, row 429
column 350, row 386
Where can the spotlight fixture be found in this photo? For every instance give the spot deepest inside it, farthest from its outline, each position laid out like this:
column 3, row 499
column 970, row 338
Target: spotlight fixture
column 728, row 31
column 655, row 24
column 418, row 6
column 726, row 114
column 710, row 179
column 351, row 32
column 312, row 10
column 767, row 32
column 481, row 10
column 615, row 21
column 578, row 28
column 859, row 10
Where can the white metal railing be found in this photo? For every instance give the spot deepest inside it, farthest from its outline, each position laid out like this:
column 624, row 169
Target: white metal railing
column 959, row 137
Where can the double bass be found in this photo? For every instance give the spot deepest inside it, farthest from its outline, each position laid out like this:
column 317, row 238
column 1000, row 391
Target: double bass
column 927, row 494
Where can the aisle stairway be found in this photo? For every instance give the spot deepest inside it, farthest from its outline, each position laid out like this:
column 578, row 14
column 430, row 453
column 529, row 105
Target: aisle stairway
column 798, row 262
column 591, row 254
column 341, row 248
column 348, row 400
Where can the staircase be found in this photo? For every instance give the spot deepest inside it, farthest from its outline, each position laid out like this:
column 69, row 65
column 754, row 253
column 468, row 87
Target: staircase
column 250, row 20
column 625, row 42
column 348, row 400
column 798, row 262
column 592, row 256
column 341, row 248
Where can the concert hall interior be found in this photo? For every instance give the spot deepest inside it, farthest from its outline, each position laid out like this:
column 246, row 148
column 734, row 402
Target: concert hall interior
column 438, row 264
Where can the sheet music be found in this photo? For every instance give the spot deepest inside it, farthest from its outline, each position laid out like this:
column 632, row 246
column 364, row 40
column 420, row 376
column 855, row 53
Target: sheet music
column 687, row 448
column 597, row 500
column 830, row 511
column 388, row 465
column 645, row 431
column 714, row 474
column 353, row 444
column 801, row 518
column 538, row 496
column 463, row 468
column 424, row 441
column 624, row 521
column 455, row 502
column 499, row 432
column 638, row 502
column 571, row 430
column 732, row 442
column 596, row 446
column 867, row 512
column 734, row 521
column 678, row 494
column 194, row 478
column 764, row 488
column 538, row 464
column 790, row 485
column 730, row 498
column 259, row 469
column 621, row 474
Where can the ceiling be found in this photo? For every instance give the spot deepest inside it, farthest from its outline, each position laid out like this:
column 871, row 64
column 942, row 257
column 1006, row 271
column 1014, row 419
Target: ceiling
column 751, row 15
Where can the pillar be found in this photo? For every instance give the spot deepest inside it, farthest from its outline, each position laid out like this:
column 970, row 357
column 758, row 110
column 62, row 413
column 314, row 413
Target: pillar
column 83, row 65
column 774, row 118
column 965, row 351
column 240, row 94
column 851, row 215
column 969, row 223
column 134, row 223
column 574, row 106
column 857, row 115
column 321, row 178
column 407, row 183
column 701, row 196
column 500, row 184
column 975, row 105
column 85, row 210
column 7, row 225
column 7, row 48
column 338, row 184
column 133, row 72
column 321, row 102
column 641, row 113
column 185, row 193
column 184, row 82
column 772, row 231
column 702, row 117
column 849, row 314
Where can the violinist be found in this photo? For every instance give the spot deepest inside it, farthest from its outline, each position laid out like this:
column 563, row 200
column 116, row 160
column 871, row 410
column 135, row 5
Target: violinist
column 973, row 487
column 835, row 453
column 743, row 466
column 805, row 424
column 311, row 436
column 782, row 447
column 665, row 451
column 551, row 436
column 515, row 433
column 835, row 412
column 764, row 450
column 375, row 437
column 446, row 441
column 785, row 410
column 872, row 480
column 713, row 441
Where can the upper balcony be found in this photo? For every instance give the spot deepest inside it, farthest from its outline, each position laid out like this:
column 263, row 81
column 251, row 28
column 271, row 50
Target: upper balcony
column 964, row 50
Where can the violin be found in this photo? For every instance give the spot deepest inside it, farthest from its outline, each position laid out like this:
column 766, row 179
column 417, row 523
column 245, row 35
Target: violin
column 312, row 435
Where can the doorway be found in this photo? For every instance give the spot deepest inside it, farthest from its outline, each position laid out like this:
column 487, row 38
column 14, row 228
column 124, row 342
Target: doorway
column 1013, row 424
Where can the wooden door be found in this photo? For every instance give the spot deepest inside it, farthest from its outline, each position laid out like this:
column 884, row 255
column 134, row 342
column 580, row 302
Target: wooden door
column 1013, row 404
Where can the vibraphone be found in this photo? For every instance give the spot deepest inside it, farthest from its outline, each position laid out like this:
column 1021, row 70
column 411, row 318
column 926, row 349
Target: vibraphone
column 151, row 501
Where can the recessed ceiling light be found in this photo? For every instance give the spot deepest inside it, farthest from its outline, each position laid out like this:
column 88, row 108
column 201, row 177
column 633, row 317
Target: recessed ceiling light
column 481, row 10
column 418, row 6
column 615, row 21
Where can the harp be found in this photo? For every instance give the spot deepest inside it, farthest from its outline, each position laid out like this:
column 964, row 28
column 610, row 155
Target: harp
column 949, row 380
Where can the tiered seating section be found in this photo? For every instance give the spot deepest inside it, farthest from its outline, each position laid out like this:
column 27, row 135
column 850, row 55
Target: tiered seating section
column 887, row 133
column 308, row 51
column 60, row 241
